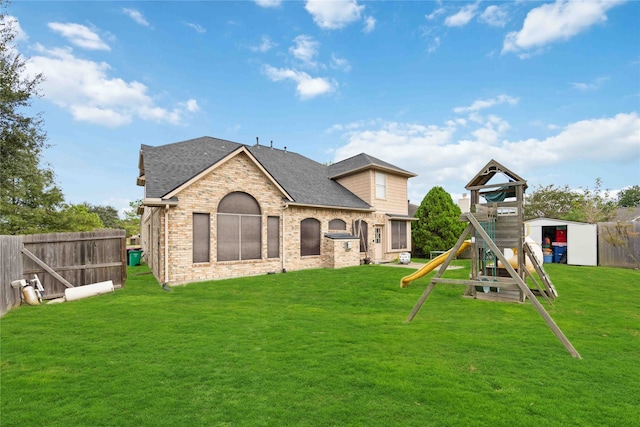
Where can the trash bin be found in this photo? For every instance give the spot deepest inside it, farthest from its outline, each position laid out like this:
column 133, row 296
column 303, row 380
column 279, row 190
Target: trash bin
column 558, row 252
column 134, row 256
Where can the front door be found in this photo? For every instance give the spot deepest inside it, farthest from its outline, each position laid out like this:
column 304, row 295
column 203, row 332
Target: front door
column 377, row 243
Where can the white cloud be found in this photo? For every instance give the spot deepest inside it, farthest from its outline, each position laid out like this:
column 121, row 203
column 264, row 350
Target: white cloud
column 336, row 14
column 435, row 13
column 369, row 24
column 265, row 45
column 307, row 87
column 95, row 97
column 439, row 158
column 434, row 44
column 305, row 49
column 191, row 105
column 197, row 27
column 595, row 84
column 495, row 16
column 79, row 35
column 463, row 17
column 268, row 3
column 482, row 104
column 340, row 64
column 557, row 21
column 136, row 15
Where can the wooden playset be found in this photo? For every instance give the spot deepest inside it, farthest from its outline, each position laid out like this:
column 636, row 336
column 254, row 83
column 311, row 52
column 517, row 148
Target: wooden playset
column 495, row 231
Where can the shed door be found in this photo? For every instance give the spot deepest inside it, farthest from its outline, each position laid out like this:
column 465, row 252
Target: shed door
column 582, row 244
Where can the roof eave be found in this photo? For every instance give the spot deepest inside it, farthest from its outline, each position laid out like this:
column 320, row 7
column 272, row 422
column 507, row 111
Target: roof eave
column 310, row 205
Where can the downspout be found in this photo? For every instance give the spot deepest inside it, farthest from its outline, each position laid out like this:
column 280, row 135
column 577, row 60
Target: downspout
column 284, row 269
column 166, row 243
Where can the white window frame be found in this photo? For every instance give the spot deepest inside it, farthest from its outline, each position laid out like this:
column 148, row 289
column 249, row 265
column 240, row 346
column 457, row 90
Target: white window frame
column 381, row 185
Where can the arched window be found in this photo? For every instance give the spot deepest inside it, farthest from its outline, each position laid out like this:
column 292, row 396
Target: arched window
column 309, row 237
column 337, row 224
column 239, row 228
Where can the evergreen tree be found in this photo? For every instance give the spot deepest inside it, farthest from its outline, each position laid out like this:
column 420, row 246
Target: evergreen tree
column 29, row 197
column 438, row 226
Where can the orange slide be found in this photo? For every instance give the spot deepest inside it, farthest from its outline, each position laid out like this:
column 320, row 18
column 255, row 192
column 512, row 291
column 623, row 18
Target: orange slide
column 431, row 265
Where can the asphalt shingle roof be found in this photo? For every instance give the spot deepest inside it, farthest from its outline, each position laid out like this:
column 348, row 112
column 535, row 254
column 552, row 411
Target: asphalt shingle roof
column 363, row 161
column 166, row 167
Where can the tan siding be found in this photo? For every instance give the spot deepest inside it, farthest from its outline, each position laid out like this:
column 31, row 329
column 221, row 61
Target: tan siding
column 396, row 201
column 360, row 184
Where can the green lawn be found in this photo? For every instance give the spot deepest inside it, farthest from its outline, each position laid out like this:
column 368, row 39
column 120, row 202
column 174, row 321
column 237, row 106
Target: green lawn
column 325, row 348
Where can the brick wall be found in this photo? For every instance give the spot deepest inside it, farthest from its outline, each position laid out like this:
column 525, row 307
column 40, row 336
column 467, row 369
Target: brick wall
column 241, row 174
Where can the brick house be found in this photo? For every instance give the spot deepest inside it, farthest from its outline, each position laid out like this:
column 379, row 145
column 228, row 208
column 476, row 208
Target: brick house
column 215, row 209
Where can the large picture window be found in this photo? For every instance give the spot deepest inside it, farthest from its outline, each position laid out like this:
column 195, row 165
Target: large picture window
column 398, row 235
column 201, row 237
column 309, row 237
column 239, row 228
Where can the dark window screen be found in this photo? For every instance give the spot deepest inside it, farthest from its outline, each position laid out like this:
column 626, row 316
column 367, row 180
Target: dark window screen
column 273, row 237
column 239, row 228
column 337, row 224
column 398, row 235
column 239, row 203
column 250, row 241
column 201, row 236
column 309, row 237
column 228, row 237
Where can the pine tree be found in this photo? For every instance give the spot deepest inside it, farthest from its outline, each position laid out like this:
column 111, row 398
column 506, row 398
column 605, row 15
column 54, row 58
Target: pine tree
column 438, row 226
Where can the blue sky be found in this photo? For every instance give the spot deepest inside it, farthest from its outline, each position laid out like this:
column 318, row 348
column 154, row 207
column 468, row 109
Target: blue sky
column 549, row 89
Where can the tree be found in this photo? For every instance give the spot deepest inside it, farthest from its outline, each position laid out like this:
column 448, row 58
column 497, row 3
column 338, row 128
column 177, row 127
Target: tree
column 592, row 206
column 582, row 205
column 438, row 226
column 74, row 218
column 28, row 193
column 108, row 215
column 629, row 197
column 131, row 221
column 549, row 202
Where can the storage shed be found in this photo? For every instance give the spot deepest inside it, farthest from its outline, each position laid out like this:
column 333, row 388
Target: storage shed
column 574, row 243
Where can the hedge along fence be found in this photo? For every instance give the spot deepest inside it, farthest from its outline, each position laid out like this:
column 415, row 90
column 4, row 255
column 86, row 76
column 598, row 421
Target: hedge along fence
column 61, row 260
column 619, row 244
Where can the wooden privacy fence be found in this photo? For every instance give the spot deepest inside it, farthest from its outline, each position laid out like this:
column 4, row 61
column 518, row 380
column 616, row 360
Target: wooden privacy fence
column 61, row 260
column 619, row 244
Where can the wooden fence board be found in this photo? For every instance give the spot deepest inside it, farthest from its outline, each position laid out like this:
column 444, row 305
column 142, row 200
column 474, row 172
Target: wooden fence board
column 10, row 269
column 626, row 253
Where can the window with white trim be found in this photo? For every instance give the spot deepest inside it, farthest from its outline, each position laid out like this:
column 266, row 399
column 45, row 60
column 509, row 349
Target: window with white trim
column 381, row 185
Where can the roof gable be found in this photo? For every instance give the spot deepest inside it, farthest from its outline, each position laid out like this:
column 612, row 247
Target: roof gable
column 234, row 153
column 362, row 162
column 167, row 167
column 490, row 170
